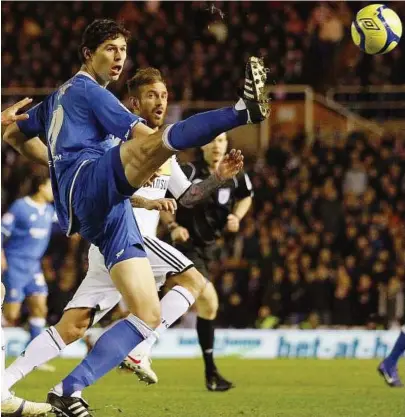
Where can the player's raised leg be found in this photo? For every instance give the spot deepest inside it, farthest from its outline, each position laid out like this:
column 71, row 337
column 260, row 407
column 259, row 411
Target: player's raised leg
column 141, row 158
column 388, row 368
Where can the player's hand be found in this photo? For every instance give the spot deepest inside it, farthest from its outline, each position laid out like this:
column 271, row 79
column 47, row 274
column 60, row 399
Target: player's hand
column 163, row 204
column 232, row 224
column 10, row 115
column 230, row 165
column 180, row 234
column 150, row 181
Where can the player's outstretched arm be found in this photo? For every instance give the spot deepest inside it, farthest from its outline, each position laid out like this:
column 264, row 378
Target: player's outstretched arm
column 227, row 169
column 160, row 204
column 32, row 149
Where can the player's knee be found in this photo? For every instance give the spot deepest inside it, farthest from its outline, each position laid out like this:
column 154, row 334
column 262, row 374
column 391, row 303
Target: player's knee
column 192, row 280
column 12, row 317
column 40, row 311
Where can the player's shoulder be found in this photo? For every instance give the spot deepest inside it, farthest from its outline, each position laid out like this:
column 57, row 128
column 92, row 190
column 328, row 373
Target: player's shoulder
column 20, row 203
column 18, row 206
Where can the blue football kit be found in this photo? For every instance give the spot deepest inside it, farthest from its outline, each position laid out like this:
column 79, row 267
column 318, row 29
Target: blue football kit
column 80, row 121
column 26, row 229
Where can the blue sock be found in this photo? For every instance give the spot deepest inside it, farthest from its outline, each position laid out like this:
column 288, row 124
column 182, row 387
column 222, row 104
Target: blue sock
column 397, row 350
column 202, row 128
column 36, row 325
column 108, row 352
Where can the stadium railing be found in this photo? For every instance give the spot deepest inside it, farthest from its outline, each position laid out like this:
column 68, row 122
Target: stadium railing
column 296, row 109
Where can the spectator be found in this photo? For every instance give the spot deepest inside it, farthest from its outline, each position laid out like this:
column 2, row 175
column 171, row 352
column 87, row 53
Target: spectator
column 265, row 319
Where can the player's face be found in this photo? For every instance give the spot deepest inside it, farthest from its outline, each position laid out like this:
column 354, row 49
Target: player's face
column 151, row 103
column 46, row 191
column 215, row 150
column 109, row 58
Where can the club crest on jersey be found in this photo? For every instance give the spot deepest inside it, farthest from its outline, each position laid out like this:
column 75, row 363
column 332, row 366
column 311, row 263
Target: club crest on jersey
column 223, row 195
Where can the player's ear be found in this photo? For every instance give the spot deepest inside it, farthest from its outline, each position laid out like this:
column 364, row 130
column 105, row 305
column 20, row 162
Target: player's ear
column 86, row 53
column 134, row 103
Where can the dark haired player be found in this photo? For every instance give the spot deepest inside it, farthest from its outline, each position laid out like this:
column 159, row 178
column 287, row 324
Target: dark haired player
column 92, row 181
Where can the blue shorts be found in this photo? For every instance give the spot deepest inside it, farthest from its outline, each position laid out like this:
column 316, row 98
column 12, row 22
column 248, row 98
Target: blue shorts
column 22, row 279
column 102, row 212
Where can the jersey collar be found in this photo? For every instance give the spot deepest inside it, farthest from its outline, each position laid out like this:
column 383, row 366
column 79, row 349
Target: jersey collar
column 32, row 203
column 86, row 74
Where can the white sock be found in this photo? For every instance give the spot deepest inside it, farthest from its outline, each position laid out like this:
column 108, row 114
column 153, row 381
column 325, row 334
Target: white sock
column 43, row 348
column 5, row 393
column 173, row 305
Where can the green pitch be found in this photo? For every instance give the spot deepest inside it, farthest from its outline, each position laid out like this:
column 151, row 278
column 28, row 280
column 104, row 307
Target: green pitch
column 273, row 388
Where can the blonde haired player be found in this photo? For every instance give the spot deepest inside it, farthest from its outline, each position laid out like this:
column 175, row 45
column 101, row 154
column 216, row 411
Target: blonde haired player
column 10, row 404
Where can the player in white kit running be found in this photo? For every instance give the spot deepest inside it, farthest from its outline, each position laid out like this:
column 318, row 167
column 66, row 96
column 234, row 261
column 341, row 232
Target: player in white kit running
column 97, row 292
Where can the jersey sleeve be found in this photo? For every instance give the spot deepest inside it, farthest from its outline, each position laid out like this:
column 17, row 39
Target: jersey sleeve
column 244, row 188
column 35, row 124
column 9, row 219
column 113, row 116
column 178, row 182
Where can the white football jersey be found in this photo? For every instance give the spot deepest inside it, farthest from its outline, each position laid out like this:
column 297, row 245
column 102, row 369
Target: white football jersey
column 170, row 177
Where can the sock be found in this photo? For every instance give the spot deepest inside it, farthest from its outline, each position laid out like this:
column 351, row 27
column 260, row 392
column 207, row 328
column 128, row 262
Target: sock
column 202, row 128
column 43, row 348
column 398, row 349
column 5, row 393
column 205, row 331
column 108, row 352
column 172, row 306
column 36, row 326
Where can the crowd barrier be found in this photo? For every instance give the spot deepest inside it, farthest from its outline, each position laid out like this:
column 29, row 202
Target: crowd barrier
column 256, row 344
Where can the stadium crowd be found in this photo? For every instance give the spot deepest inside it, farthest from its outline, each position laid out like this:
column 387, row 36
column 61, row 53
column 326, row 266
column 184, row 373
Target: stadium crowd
column 325, row 241
column 199, row 46
column 323, row 245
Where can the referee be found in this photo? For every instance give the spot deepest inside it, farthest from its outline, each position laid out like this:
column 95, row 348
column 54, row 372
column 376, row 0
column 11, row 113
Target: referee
column 194, row 232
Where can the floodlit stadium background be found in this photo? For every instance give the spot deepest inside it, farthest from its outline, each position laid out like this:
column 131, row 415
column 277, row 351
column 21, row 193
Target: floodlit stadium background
column 324, row 245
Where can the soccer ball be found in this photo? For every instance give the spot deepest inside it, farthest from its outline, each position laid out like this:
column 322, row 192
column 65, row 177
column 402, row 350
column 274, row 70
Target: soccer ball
column 376, row 29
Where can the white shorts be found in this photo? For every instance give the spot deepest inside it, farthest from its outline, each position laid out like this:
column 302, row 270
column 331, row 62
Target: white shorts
column 97, row 291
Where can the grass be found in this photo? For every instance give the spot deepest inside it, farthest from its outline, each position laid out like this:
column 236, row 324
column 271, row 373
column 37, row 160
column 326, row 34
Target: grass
column 273, row 388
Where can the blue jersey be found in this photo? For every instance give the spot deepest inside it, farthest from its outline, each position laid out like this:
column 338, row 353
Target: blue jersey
column 78, row 121
column 26, row 230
